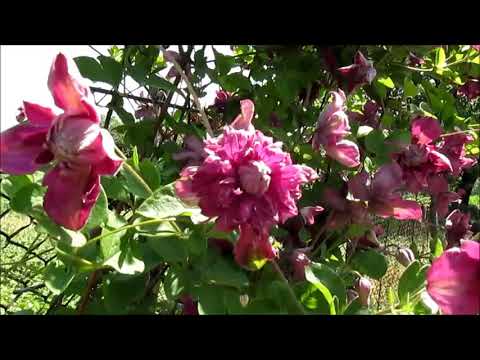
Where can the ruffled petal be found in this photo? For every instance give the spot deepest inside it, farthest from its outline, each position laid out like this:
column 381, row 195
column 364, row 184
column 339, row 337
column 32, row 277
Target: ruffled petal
column 345, row 152
column 425, row 130
column 38, row 115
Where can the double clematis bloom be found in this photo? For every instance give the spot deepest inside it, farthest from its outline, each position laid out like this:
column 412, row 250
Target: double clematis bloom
column 80, row 149
column 360, row 73
column 382, row 193
column 422, row 158
column 453, row 147
column 453, row 280
column 345, row 212
column 332, row 127
column 471, row 89
column 458, row 227
column 247, row 182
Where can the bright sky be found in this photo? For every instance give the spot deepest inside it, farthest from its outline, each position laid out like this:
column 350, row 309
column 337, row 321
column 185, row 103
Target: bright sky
column 24, row 74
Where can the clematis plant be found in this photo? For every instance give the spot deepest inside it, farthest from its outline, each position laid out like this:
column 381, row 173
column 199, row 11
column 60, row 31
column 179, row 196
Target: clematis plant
column 471, row 89
column 422, row 158
column 361, row 72
column 453, row 280
column 332, row 127
column 73, row 141
column 248, row 183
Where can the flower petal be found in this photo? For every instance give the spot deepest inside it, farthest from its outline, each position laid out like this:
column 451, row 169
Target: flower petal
column 20, row 148
column 67, row 92
column 345, row 152
column 106, row 162
column 386, row 180
column 358, row 186
column 253, row 248
column 440, row 161
column 425, row 129
column 398, row 208
column 38, row 115
column 71, row 195
column 453, row 280
column 244, row 120
column 309, row 212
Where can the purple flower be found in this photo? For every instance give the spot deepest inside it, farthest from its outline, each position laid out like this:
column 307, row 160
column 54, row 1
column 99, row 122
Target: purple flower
column 382, row 193
column 471, row 89
column 458, row 227
column 422, row 158
column 453, row 280
column 221, row 100
column 361, row 72
column 309, row 212
column 81, row 149
column 363, row 286
column 369, row 117
column 453, row 147
column 405, row 256
column 332, row 127
column 246, row 179
column 414, row 60
column 438, row 187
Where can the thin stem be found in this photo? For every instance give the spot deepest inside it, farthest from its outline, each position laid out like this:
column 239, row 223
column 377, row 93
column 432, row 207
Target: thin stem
column 290, row 290
column 132, row 172
column 131, row 226
column 192, row 92
column 458, row 132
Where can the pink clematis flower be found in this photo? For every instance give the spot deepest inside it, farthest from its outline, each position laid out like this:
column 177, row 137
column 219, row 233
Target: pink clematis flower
column 422, row 158
column 476, row 47
column 345, row 212
column 458, row 227
column 414, row 60
column 369, row 117
column 253, row 247
column 438, row 187
column 471, row 89
column 332, row 127
column 190, row 307
column 309, row 212
column 453, row 147
column 453, row 280
column 246, row 178
column 382, row 193
column 81, row 149
column 361, row 72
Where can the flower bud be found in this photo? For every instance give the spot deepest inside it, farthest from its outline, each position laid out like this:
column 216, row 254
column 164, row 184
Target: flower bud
column 405, row 256
column 363, row 286
column 299, row 261
column 255, row 177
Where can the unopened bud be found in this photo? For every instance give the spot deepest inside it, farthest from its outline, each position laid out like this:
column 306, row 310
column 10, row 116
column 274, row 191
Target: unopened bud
column 364, row 287
column 405, row 256
column 244, row 300
column 299, row 262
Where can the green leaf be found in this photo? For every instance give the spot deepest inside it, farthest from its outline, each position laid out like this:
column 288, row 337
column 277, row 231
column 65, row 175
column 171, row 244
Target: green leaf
column 173, row 284
column 28, row 196
column 99, row 213
column 159, row 83
column 211, row 300
column 124, row 115
column 13, row 183
column 57, row 277
column 112, row 69
column 226, row 273
column 120, row 291
column 375, row 142
column 150, row 174
column 171, row 249
column 312, row 278
column 134, row 185
column 332, row 281
column 370, row 263
column 163, row 204
column 412, row 280
column 439, row 60
column 113, row 188
column 409, row 88
column 125, row 262
column 235, row 82
column 386, row 81
column 91, row 69
column 223, row 63
column 353, row 308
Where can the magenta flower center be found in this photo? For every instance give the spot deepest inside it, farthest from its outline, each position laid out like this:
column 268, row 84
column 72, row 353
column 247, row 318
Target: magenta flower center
column 255, row 177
